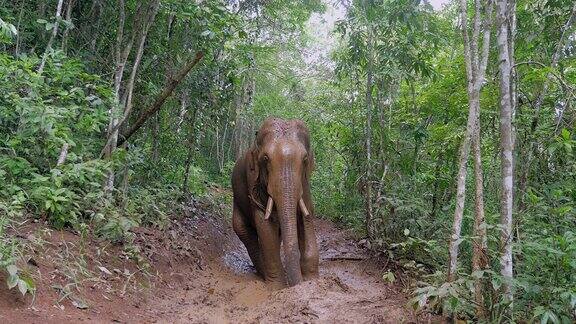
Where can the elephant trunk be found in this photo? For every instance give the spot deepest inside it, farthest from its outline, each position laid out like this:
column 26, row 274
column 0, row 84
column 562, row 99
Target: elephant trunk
column 287, row 206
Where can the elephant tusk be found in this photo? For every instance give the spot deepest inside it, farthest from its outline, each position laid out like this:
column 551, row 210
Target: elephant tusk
column 269, row 206
column 303, row 208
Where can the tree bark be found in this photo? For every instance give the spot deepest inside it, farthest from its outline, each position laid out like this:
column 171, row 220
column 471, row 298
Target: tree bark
column 121, row 57
column 149, row 14
column 506, row 147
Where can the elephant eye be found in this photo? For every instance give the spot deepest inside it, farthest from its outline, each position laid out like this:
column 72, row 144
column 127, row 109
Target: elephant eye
column 265, row 158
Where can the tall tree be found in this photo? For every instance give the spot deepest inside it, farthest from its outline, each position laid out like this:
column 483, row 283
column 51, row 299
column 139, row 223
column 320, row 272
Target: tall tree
column 52, row 36
column 144, row 18
column 368, row 131
column 476, row 59
column 504, row 12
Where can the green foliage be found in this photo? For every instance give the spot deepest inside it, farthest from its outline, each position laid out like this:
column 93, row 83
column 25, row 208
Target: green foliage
column 38, row 115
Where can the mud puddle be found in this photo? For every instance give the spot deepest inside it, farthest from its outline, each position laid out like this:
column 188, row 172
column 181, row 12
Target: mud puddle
column 350, row 290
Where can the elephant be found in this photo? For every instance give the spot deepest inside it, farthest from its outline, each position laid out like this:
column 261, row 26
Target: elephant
column 272, row 204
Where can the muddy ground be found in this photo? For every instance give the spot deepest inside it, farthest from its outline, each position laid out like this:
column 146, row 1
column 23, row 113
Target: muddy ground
column 196, row 271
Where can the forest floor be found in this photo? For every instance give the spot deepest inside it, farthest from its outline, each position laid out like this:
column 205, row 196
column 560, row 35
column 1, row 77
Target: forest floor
column 197, row 271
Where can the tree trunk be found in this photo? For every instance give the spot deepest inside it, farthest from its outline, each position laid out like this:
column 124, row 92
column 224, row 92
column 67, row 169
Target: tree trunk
column 63, row 154
column 506, row 147
column 368, row 131
column 121, row 57
column 191, row 147
column 480, row 241
column 155, row 134
column 17, row 47
column 68, row 18
column 476, row 63
column 52, row 37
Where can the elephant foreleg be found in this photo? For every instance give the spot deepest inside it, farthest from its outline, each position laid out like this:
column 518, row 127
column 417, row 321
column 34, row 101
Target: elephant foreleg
column 269, row 237
column 309, row 256
column 248, row 236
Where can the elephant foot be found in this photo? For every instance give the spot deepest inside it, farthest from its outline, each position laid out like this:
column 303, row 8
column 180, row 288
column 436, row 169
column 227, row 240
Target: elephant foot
column 276, row 285
column 309, row 276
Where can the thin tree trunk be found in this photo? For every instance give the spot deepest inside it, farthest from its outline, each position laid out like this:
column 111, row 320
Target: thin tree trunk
column 183, row 111
column 506, row 147
column 455, row 238
column 121, row 56
column 17, row 48
column 222, row 157
column 191, row 147
column 63, row 154
column 368, row 132
column 480, row 241
column 126, row 101
column 155, row 134
column 476, row 63
column 149, row 14
column 52, row 37
column 129, row 92
column 69, row 8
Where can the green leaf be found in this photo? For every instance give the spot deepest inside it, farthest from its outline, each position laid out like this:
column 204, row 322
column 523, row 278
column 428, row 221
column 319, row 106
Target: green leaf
column 12, row 281
column 389, row 277
column 565, row 134
column 79, row 303
column 22, row 286
column 13, row 29
column 478, row 274
column 12, row 270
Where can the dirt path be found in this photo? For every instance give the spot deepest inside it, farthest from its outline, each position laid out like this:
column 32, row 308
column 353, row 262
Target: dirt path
column 348, row 290
column 204, row 276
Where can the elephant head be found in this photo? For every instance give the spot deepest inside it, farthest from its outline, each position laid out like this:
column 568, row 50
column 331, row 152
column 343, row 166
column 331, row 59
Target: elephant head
column 281, row 161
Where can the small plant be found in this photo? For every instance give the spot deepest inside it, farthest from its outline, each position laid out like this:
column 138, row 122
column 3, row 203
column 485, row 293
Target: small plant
column 25, row 284
column 8, row 257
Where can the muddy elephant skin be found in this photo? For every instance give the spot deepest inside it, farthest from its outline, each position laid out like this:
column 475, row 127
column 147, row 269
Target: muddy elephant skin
column 272, row 203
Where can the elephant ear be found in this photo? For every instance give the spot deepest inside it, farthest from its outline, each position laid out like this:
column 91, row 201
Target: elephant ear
column 253, row 160
column 257, row 178
column 310, row 164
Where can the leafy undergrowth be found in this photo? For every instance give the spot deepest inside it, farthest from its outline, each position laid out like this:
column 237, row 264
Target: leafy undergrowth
column 80, row 274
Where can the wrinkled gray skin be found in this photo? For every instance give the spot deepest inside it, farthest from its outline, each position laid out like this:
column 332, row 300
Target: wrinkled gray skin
column 275, row 172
